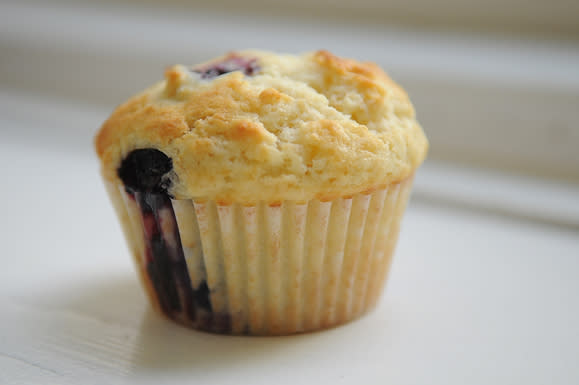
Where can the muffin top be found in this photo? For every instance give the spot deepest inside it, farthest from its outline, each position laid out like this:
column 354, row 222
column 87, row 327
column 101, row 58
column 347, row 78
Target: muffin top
column 254, row 125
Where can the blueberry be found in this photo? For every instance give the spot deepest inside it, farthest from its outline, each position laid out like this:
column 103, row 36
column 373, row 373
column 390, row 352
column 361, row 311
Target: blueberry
column 231, row 63
column 201, row 296
column 144, row 173
column 145, row 170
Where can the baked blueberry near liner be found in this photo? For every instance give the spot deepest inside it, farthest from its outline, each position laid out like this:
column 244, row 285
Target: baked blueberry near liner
column 145, row 175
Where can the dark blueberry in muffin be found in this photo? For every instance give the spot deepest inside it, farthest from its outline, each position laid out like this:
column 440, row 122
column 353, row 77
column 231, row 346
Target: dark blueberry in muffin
column 146, row 170
column 231, row 63
column 144, row 173
column 201, row 296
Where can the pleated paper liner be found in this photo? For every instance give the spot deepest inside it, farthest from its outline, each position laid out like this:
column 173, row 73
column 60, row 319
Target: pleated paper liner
column 262, row 269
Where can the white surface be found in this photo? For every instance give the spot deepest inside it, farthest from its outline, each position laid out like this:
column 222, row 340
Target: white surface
column 474, row 298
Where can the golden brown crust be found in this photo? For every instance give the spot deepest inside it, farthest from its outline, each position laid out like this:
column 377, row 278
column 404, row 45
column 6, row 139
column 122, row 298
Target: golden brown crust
column 302, row 127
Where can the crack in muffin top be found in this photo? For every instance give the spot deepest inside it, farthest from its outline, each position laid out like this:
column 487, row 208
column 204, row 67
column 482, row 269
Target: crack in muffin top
column 257, row 126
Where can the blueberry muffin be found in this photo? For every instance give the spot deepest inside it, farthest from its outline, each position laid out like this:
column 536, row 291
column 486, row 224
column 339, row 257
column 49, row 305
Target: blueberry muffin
column 262, row 193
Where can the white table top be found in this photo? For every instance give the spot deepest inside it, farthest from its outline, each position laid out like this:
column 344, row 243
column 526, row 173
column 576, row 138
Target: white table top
column 474, row 298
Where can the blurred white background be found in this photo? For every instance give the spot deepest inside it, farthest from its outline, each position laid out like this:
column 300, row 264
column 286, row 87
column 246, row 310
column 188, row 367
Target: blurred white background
column 484, row 284
column 495, row 83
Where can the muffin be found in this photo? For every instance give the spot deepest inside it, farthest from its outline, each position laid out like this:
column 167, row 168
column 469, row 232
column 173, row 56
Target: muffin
column 260, row 193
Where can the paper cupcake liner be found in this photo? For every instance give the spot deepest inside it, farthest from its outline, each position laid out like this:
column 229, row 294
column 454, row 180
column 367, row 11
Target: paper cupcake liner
column 263, row 269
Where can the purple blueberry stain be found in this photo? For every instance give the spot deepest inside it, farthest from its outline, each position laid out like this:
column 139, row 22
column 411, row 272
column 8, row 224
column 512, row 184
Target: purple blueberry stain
column 231, row 63
column 145, row 175
column 159, row 265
